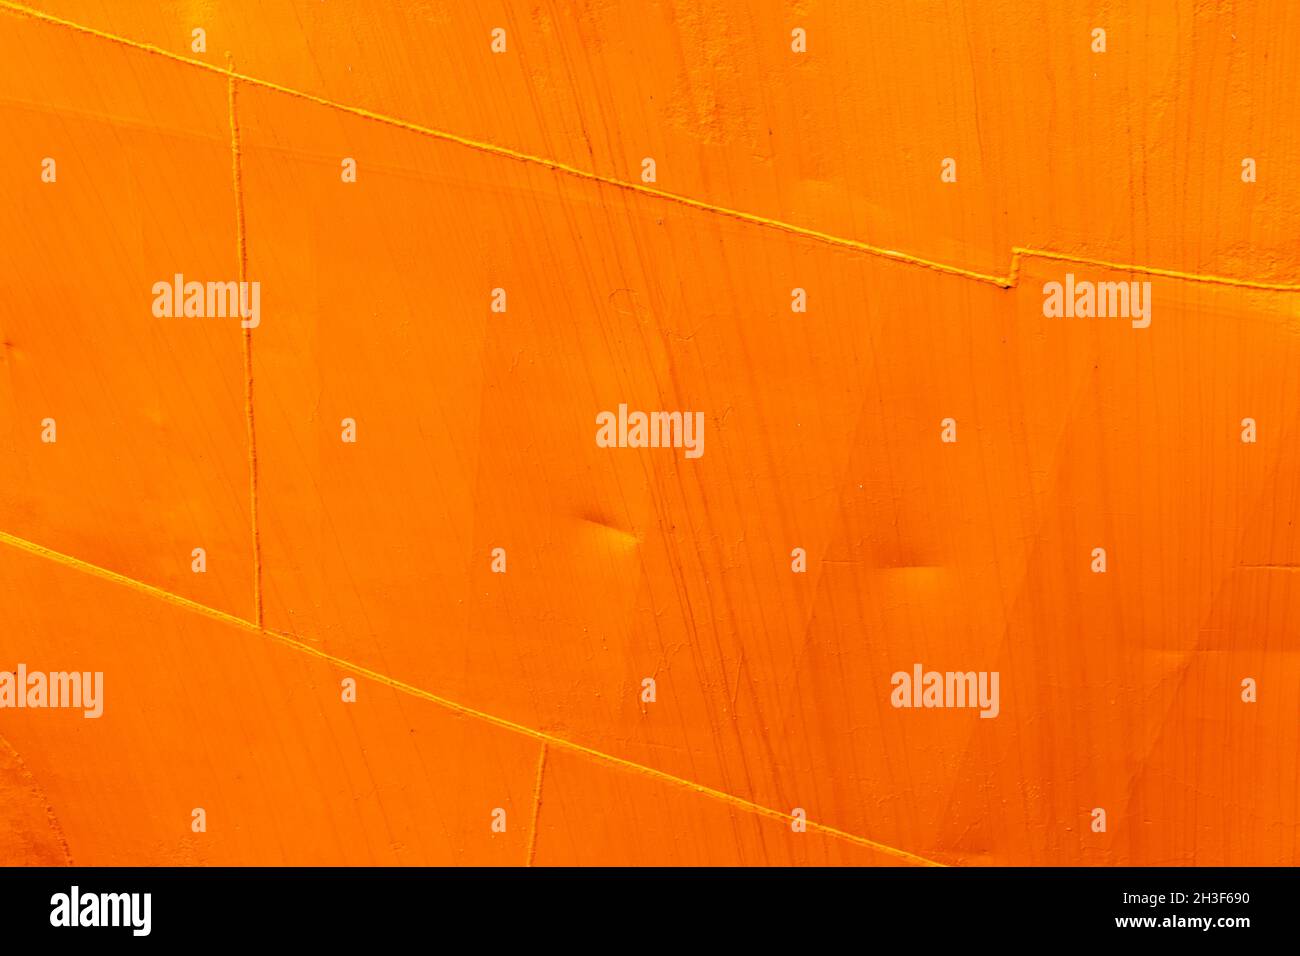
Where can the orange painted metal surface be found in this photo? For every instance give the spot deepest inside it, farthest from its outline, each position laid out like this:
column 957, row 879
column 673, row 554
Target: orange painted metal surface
column 523, row 692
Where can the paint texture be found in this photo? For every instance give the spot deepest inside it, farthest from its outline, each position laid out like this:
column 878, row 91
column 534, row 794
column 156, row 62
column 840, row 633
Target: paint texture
column 522, row 691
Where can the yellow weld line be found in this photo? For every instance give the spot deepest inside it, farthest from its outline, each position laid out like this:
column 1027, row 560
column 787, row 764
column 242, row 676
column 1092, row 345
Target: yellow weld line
column 537, row 806
column 1002, row 282
column 559, row 742
column 95, row 570
column 508, row 153
column 237, row 176
column 1263, row 286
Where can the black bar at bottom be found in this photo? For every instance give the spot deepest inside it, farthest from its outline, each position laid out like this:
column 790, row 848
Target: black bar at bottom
column 464, row 908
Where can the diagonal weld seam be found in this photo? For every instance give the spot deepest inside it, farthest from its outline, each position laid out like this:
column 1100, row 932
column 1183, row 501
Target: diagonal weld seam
column 1009, row 281
column 549, row 740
